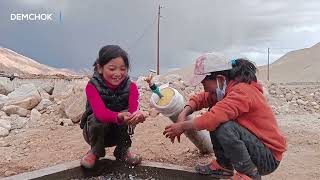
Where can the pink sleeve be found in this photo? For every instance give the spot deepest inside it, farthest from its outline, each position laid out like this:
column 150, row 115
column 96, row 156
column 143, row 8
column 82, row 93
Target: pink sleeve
column 100, row 111
column 133, row 98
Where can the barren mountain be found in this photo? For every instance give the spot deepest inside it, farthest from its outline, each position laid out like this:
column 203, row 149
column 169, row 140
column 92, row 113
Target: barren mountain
column 296, row 66
column 14, row 63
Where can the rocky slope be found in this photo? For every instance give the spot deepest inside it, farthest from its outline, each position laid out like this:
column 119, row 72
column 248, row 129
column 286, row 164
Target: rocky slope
column 14, row 63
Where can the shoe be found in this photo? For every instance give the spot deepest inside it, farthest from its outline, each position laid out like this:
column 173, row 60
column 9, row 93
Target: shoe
column 214, row 169
column 125, row 155
column 88, row 160
column 240, row 176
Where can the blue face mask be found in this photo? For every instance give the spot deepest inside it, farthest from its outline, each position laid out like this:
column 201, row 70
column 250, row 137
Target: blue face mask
column 221, row 92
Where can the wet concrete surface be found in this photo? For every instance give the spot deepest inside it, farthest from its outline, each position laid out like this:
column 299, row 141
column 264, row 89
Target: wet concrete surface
column 109, row 169
column 119, row 176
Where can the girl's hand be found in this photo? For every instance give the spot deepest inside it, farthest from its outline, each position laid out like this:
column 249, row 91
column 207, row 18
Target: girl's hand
column 123, row 117
column 136, row 118
column 175, row 130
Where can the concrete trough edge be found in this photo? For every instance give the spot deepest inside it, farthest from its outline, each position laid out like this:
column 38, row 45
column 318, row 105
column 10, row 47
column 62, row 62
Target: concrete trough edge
column 45, row 171
column 76, row 164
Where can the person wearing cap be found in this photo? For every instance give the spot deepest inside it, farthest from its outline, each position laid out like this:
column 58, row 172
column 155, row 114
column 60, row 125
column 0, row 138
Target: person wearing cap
column 243, row 129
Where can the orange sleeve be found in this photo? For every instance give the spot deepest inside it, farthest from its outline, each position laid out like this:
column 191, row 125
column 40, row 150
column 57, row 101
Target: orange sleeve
column 200, row 101
column 233, row 105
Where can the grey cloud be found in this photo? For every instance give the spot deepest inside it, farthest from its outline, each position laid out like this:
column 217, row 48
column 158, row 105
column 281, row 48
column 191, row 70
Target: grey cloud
column 188, row 28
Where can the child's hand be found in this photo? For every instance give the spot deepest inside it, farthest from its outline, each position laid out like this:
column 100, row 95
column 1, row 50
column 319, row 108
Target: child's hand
column 176, row 129
column 136, row 118
column 173, row 130
column 124, row 116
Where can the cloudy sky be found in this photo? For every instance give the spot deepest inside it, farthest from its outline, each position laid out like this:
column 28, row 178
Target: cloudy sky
column 245, row 28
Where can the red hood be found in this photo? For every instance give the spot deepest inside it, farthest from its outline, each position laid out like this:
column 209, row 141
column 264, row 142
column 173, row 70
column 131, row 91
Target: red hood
column 254, row 84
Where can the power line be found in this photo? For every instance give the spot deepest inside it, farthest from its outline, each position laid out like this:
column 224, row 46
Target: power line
column 142, row 34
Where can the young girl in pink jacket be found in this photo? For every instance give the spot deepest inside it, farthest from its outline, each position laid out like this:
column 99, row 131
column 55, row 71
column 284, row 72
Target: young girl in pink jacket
column 112, row 108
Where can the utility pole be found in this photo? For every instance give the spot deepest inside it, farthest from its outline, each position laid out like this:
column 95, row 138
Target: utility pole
column 158, row 43
column 268, row 64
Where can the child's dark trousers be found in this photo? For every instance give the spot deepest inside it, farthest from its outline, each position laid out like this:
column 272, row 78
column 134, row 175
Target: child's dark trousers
column 100, row 135
column 237, row 148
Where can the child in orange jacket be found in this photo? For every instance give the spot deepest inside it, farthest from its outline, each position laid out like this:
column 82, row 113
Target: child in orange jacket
column 243, row 128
